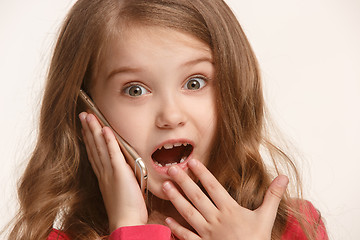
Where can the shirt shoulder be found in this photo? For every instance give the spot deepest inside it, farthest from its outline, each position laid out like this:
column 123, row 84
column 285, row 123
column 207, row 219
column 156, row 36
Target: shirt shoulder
column 141, row 232
column 293, row 228
column 57, row 235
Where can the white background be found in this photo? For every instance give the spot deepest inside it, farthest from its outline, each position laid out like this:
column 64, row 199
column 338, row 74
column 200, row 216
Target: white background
column 309, row 53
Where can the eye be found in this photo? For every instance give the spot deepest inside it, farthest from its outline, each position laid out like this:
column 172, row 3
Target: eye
column 195, row 83
column 135, row 90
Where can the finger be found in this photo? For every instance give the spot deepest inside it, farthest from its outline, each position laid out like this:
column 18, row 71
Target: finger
column 273, row 197
column 101, row 147
column 193, row 192
column 179, row 231
column 184, row 207
column 117, row 159
column 90, row 145
column 216, row 191
column 92, row 163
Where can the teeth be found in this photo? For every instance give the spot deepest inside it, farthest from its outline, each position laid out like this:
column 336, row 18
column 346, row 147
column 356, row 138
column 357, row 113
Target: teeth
column 182, row 159
column 170, row 164
column 159, row 164
column 167, row 165
column 170, row 146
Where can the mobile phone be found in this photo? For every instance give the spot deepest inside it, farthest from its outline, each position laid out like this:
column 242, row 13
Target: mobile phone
column 131, row 156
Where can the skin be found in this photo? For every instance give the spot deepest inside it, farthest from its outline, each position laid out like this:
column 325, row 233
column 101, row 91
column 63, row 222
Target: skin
column 161, row 63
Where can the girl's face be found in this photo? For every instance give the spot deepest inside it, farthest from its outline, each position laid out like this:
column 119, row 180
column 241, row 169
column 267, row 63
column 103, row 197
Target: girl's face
column 155, row 87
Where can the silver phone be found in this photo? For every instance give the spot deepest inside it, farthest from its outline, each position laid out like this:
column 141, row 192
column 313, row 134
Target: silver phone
column 131, row 156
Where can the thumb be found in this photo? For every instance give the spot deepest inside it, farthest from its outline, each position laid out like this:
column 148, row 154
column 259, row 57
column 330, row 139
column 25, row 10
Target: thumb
column 273, row 197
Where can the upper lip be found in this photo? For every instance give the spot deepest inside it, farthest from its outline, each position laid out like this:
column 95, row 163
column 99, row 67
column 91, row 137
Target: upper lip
column 172, row 142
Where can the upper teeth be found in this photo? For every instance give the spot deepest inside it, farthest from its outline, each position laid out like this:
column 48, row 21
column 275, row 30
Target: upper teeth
column 170, row 145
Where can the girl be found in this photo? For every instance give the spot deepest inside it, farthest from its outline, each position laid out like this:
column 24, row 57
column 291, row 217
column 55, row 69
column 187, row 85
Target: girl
column 179, row 81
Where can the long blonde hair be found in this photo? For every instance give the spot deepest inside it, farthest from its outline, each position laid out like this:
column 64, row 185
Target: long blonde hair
column 59, row 178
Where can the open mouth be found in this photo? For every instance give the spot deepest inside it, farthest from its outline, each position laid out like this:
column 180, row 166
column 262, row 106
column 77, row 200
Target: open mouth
column 171, row 154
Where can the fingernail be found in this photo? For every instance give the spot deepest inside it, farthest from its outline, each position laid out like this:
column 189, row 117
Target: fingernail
column 173, row 170
column 167, row 186
column 282, row 181
column 168, row 220
column 192, row 163
column 88, row 118
column 82, row 116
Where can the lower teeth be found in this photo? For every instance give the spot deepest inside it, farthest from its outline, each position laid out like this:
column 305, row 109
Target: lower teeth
column 170, row 164
column 158, row 164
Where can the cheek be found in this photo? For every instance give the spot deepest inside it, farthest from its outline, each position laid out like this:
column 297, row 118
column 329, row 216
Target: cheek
column 206, row 122
column 206, row 116
column 131, row 124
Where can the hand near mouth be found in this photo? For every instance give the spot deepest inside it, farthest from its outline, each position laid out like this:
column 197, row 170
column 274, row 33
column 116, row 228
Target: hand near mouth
column 223, row 217
column 121, row 193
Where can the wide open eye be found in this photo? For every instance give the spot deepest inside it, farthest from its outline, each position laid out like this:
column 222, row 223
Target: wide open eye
column 195, row 82
column 135, row 90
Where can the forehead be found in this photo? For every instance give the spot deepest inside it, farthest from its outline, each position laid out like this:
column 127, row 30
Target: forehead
column 137, row 44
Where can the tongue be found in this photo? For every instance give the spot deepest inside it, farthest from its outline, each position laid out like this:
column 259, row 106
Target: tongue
column 165, row 156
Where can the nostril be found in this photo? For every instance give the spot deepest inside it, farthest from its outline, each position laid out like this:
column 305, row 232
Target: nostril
column 167, row 126
column 170, row 113
column 181, row 124
column 170, row 120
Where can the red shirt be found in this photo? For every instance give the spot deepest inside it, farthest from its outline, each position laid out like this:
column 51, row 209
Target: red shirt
column 160, row 232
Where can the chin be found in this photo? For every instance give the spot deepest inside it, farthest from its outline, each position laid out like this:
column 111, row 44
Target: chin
column 158, row 192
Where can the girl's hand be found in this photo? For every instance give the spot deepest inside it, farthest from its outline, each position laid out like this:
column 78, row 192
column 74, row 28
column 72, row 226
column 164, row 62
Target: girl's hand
column 121, row 193
column 222, row 218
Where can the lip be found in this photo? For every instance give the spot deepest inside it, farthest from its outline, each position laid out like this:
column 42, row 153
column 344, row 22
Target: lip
column 183, row 165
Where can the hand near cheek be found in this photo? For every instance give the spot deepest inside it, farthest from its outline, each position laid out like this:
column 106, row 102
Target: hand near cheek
column 225, row 218
column 121, row 193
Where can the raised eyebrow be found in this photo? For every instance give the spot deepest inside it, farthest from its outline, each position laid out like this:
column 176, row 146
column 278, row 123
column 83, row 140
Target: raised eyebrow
column 124, row 69
column 196, row 61
column 127, row 69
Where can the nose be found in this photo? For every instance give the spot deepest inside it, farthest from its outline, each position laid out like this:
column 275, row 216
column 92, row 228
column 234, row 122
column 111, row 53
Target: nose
column 170, row 114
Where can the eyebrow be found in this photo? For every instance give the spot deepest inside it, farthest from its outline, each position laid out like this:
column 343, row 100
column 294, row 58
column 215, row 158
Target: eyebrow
column 124, row 69
column 128, row 69
column 196, row 61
